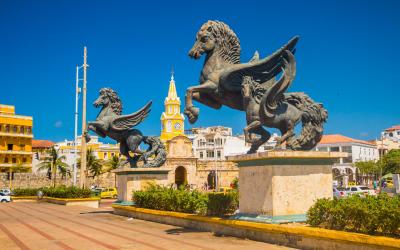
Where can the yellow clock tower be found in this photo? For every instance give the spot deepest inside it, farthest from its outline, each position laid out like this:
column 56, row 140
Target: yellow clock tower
column 172, row 121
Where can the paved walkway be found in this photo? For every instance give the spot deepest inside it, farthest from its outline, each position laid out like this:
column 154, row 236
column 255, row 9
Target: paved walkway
column 31, row 225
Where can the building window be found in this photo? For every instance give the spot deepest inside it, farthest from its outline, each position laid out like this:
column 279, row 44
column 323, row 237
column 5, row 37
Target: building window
column 210, row 141
column 210, row 154
column 324, row 149
column 22, row 147
column 218, row 154
column 21, row 129
column 29, row 130
column 9, row 146
column 346, row 149
column 390, row 134
column 14, row 160
column 105, row 155
column 334, row 149
column 24, row 160
column 6, row 160
column 15, row 129
column 7, row 128
column 201, row 155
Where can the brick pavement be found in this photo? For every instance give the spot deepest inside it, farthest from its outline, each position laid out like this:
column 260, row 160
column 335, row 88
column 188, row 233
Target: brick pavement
column 32, row 225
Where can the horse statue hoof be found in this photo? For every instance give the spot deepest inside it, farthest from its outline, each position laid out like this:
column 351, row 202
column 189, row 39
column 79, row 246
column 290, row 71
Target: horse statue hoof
column 192, row 114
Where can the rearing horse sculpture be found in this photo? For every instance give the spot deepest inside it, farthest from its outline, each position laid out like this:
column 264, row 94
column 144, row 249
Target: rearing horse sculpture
column 111, row 123
column 222, row 78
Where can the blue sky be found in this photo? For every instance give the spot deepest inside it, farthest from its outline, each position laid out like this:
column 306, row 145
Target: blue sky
column 347, row 57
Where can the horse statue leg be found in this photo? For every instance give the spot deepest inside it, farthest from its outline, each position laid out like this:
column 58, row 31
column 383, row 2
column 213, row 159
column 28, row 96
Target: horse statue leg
column 95, row 128
column 190, row 110
column 256, row 128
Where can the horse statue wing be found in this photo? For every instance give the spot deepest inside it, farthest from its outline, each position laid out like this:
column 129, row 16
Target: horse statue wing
column 261, row 70
column 125, row 122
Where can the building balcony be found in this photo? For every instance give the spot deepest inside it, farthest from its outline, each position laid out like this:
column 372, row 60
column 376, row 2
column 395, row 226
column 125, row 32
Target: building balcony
column 15, row 152
column 12, row 134
column 11, row 165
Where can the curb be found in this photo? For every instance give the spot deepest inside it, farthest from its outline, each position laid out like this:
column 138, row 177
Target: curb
column 325, row 235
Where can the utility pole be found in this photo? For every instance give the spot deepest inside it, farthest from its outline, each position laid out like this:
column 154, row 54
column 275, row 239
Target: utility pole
column 83, row 143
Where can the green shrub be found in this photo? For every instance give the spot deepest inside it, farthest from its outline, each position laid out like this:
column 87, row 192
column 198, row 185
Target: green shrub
column 56, row 192
column 221, row 204
column 25, row 191
column 169, row 199
column 181, row 200
column 371, row 214
column 66, row 192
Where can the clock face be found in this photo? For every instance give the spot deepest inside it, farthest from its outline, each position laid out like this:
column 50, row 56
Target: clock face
column 177, row 126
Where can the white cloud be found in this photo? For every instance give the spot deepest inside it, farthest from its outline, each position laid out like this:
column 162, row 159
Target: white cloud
column 58, row 124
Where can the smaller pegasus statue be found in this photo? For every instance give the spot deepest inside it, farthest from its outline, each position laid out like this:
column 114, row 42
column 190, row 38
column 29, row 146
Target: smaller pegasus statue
column 111, row 123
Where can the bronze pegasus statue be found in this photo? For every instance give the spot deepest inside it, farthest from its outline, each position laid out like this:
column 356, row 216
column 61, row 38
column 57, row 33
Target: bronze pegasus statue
column 252, row 87
column 110, row 122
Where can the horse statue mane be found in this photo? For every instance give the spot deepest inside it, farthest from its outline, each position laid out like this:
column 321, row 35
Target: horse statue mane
column 228, row 42
column 115, row 101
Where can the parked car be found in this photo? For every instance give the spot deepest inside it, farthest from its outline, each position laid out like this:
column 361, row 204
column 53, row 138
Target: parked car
column 109, row 193
column 361, row 190
column 6, row 191
column 4, row 198
column 339, row 192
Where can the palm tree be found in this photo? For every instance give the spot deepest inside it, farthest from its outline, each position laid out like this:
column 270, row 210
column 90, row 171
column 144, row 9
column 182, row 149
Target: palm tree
column 53, row 162
column 94, row 165
column 113, row 163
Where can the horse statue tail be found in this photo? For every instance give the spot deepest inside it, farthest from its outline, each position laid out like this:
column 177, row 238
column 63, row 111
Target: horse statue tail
column 156, row 148
column 313, row 118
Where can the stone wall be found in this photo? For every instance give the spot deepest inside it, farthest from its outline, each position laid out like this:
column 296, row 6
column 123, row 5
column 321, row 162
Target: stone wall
column 34, row 180
column 227, row 171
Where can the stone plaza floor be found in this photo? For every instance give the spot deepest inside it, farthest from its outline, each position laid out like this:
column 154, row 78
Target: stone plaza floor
column 32, row 225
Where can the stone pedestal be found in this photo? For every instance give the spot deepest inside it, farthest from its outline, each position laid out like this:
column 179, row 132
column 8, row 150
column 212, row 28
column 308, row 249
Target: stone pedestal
column 134, row 179
column 280, row 186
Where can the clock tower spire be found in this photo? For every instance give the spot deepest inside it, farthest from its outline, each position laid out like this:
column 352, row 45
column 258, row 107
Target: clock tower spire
column 172, row 121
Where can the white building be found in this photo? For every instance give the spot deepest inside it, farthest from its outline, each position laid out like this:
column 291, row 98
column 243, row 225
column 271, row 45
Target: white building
column 357, row 150
column 215, row 143
column 392, row 133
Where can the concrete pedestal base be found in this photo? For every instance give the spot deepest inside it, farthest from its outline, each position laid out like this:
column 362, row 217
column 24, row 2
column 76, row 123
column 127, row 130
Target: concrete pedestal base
column 134, row 179
column 280, row 186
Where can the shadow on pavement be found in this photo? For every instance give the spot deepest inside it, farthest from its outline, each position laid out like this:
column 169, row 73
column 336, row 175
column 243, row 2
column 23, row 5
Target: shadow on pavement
column 181, row 230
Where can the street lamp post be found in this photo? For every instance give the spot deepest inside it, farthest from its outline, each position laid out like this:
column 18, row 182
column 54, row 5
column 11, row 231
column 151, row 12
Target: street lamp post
column 77, row 91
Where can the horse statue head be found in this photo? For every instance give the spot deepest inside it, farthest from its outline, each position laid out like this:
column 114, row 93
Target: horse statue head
column 217, row 36
column 109, row 98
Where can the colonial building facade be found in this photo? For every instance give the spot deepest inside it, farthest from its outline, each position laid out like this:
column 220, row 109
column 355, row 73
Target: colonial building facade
column 358, row 150
column 103, row 151
column 15, row 140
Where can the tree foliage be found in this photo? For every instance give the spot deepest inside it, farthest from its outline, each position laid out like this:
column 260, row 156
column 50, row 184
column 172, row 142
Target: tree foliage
column 94, row 165
column 54, row 162
column 389, row 163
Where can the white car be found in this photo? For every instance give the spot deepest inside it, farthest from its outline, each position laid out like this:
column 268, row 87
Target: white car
column 6, row 191
column 4, row 198
column 361, row 190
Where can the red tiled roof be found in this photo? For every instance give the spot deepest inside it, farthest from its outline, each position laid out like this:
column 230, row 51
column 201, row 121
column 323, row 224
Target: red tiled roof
column 331, row 139
column 397, row 127
column 42, row 144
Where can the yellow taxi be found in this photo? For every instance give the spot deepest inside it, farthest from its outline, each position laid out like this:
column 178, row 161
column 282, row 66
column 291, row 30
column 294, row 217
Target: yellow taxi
column 109, row 193
column 225, row 189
